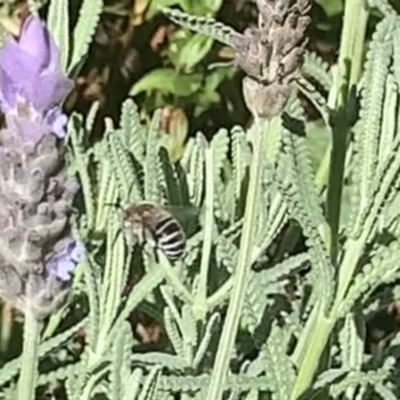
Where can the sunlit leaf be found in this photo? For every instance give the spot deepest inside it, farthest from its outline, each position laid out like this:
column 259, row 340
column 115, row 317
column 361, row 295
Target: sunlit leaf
column 194, row 50
column 169, row 81
column 156, row 5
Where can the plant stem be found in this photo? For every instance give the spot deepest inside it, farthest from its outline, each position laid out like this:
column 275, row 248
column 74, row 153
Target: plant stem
column 349, row 72
column 219, row 374
column 6, row 327
column 351, row 52
column 318, row 328
column 317, row 339
column 313, row 340
column 29, row 362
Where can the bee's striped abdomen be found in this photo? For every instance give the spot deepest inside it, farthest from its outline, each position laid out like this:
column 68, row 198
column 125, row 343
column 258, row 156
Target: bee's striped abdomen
column 170, row 238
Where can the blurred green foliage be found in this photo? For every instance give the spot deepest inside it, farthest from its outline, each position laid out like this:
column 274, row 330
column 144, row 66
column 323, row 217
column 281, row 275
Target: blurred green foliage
column 331, row 7
column 186, row 77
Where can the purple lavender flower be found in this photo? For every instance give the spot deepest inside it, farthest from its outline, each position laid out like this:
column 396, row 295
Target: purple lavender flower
column 62, row 265
column 37, row 252
column 30, row 74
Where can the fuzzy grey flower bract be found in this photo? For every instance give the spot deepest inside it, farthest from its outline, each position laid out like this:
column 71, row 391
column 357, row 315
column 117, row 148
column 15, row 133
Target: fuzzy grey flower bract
column 271, row 54
column 29, row 69
column 37, row 252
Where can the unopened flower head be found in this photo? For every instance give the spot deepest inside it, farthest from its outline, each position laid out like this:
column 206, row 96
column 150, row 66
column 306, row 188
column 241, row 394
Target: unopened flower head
column 31, row 77
column 271, row 54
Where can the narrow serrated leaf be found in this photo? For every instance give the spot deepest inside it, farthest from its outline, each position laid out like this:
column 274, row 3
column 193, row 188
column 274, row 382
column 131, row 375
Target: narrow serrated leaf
column 89, row 15
column 58, row 24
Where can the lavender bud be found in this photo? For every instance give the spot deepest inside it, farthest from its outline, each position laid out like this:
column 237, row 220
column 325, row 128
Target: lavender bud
column 10, row 282
column 270, row 55
column 38, row 78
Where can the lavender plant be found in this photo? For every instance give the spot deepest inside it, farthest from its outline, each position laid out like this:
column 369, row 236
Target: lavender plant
column 38, row 252
column 246, row 314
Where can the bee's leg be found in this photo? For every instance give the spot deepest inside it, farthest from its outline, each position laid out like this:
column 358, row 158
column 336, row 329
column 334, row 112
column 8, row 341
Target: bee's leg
column 141, row 241
column 156, row 255
column 149, row 250
column 153, row 247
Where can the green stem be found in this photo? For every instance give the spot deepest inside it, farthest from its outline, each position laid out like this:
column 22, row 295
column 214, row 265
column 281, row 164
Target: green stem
column 349, row 72
column 219, row 374
column 322, row 173
column 351, row 50
column 353, row 251
column 313, row 340
column 29, row 362
column 6, row 327
column 318, row 328
column 317, row 338
column 349, row 69
column 340, row 129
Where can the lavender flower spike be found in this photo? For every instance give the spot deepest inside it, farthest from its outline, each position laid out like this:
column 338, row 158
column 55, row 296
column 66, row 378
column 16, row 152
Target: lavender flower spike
column 30, row 73
column 38, row 254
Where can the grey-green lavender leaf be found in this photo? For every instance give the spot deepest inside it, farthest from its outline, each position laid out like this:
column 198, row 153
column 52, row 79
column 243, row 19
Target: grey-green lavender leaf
column 206, row 26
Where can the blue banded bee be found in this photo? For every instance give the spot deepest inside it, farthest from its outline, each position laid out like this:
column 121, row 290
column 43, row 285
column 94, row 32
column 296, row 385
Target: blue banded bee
column 155, row 225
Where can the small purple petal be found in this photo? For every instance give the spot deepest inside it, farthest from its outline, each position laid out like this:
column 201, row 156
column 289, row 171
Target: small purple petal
column 21, row 67
column 8, row 92
column 63, row 264
column 57, row 121
column 35, row 40
column 29, row 67
column 65, row 268
column 49, row 90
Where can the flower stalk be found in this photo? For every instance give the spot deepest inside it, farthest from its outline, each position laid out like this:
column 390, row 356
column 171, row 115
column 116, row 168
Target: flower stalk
column 312, row 342
column 242, row 271
column 38, row 253
column 29, row 362
column 349, row 73
column 270, row 56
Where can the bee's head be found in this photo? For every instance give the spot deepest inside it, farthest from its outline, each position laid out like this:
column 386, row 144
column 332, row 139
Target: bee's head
column 129, row 216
